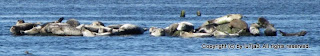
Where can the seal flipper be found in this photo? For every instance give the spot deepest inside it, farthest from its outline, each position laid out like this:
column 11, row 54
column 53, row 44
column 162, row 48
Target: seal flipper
column 60, row 19
column 282, row 33
column 116, row 26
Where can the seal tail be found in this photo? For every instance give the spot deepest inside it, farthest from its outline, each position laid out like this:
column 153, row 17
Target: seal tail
column 283, row 33
column 60, row 19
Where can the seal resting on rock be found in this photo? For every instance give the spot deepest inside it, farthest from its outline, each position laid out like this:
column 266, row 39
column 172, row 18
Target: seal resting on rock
column 237, row 23
column 116, row 26
column 190, row 34
column 36, row 30
column 270, row 30
column 185, row 26
column 60, row 20
column 175, row 28
column 120, row 29
column 22, row 26
column 301, row 33
column 94, row 27
column 102, row 32
column 171, row 29
column 87, row 33
column 225, row 19
column 206, row 28
column 254, row 29
column 218, row 33
column 33, row 31
column 154, row 31
column 73, row 22
column 61, row 29
column 263, row 22
column 130, row 29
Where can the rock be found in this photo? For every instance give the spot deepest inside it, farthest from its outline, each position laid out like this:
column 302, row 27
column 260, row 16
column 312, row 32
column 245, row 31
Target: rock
column 301, row 33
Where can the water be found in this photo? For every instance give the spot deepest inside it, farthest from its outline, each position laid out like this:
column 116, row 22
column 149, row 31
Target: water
column 289, row 16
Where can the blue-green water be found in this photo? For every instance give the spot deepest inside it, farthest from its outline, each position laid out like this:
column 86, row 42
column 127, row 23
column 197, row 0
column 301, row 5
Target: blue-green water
column 286, row 15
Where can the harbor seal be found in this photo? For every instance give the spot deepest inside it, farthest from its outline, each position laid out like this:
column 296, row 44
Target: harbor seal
column 73, row 22
column 61, row 29
column 94, row 27
column 254, row 29
column 171, row 29
column 226, row 19
column 218, row 33
column 102, row 32
column 130, row 29
column 154, row 31
column 263, row 22
column 87, row 33
column 19, row 22
column 60, row 20
column 185, row 26
column 22, row 26
column 190, row 34
column 238, row 23
column 116, row 26
column 301, row 33
column 270, row 30
column 48, row 27
column 33, row 31
column 206, row 28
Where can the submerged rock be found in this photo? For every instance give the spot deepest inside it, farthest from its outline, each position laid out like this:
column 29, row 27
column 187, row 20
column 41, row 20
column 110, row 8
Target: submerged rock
column 301, row 33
